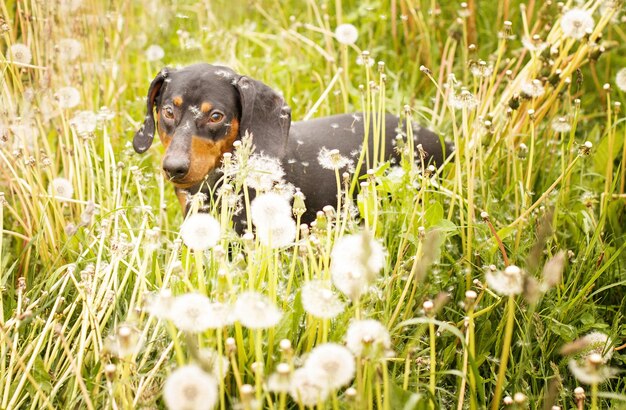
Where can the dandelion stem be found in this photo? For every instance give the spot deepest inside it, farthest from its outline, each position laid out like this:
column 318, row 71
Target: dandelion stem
column 504, row 357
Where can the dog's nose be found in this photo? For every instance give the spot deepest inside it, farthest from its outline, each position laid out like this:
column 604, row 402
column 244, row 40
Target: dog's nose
column 175, row 168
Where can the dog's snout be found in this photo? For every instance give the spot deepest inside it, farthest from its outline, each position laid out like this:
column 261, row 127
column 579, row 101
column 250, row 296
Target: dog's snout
column 175, row 168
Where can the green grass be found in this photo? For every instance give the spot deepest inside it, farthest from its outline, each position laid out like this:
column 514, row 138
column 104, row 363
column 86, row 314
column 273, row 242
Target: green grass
column 73, row 273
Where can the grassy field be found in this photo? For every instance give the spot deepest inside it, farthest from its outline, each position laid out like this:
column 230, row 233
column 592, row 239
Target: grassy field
column 497, row 280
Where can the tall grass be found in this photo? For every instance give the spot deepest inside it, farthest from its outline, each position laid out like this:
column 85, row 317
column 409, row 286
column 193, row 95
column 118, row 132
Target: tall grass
column 79, row 269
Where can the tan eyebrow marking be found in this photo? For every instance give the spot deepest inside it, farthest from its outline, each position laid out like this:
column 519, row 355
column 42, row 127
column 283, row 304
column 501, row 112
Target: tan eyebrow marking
column 178, row 100
column 206, row 107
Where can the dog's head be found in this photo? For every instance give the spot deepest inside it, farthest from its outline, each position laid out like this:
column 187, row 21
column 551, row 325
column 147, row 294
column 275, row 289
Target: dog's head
column 201, row 110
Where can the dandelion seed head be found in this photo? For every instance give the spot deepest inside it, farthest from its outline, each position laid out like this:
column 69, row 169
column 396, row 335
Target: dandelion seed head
column 463, row 100
column 481, row 69
column 576, row 22
column 346, row 34
column 154, row 52
column 215, row 362
column 190, row 388
column 124, row 342
column 510, row 281
column 561, row 125
column 20, row 53
column 190, row 312
column 69, row 49
column 200, row 231
column 368, row 338
column 67, row 97
column 320, row 301
column 334, row 361
column 159, row 304
column 279, row 381
column 332, row 159
column 308, row 387
column 534, row 44
column 356, row 261
column 533, row 89
column 84, row 122
column 598, row 343
column 620, row 79
column 256, row 311
column 279, row 234
column 61, row 189
column 263, row 172
column 269, row 210
column 588, row 372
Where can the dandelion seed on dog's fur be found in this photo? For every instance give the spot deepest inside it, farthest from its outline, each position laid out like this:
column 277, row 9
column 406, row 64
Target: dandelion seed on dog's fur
column 67, row 97
column 320, row 301
column 576, row 22
column 20, row 53
column 154, row 53
column 200, row 231
column 346, row 34
column 368, row 338
column 620, row 79
column 190, row 388
column 61, row 189
column 333, row 360
column 308, row 387
column 256, row 311
column 69, row 49
column 510, row 281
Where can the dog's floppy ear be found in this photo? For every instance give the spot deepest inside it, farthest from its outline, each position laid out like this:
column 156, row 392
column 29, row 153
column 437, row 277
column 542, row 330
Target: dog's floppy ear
column 144, row 136
column 265, row 115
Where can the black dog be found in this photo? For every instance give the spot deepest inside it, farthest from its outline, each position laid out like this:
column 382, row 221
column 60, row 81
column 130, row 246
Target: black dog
column 203, row 109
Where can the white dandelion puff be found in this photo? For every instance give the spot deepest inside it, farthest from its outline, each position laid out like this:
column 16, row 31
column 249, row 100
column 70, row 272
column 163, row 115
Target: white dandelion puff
column 346, row 34
column 20, row 53
column 356, row 261
column 159, row 304
column 190, row 312
column 510, row 281
column 533, row 89
column 463, row 100
column 61, row 189
column 84, row 122
column 333, row 360
column 269, row 209
column 620, row 79
column 69, row 49
column 589, row 372
column 256, row 311
column 279, row 234
column 368, row 338
column 263, row 172
column 576, row 22
column 279, row 381
column 534, row 44
column 332, row 159
column 154, row 53
column 598, row 342
column 124, row 342
column 215, row 362
column 200, row 232
column 561, row 125
column 320, row 301
column 190, row 388
column 308, row 387
column 67, row 97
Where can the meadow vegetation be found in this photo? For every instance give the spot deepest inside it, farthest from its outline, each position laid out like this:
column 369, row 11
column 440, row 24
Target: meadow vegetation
column 496, row 279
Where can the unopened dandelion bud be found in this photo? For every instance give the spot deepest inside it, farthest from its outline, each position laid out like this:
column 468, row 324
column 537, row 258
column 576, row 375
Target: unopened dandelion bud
column 514, row 102
column 424, row 70
column 531, row 114
column 484, row 216
column 508, row 400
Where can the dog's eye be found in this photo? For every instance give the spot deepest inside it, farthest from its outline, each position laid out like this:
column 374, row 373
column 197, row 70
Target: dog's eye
column 216, row 117
column 168, row 113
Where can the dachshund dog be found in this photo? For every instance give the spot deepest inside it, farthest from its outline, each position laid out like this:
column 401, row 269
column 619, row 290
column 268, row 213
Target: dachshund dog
column 202, row 109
